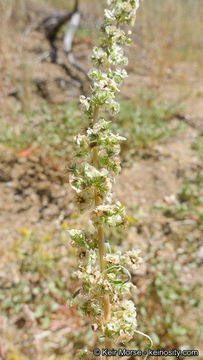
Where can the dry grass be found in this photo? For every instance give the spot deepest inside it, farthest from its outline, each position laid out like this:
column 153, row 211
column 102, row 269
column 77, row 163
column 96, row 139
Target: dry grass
column 13, row 16
column 166, row 32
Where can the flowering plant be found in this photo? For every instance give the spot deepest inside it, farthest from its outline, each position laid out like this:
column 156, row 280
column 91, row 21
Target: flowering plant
column 106, row 285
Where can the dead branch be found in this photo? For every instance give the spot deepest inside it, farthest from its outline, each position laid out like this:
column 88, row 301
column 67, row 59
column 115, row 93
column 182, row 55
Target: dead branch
column 68, row 41
column 52, row 24
column 191, row 122
column 76, row 79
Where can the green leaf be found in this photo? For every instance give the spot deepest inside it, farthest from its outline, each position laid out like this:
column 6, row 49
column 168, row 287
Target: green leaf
column 36, row 290
column 39, row 311
column 16, row 298
column 73, row 168
column 125, row 272
column 17, row 307
column 52, row 286
column 76, row 293
column 155, row 338
column 27, row 297
column 108, row 248
column 46, row 322
column 118, row 282
column 54, row 306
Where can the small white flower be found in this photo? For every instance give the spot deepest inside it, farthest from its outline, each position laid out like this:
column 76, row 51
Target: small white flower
column 109, row 14
column 113, row 258
column 110, row 29
column 131, row 259
column 99, row 57
column 92, row 256
column 91, row 171
column 74, row 233
column 85, row 101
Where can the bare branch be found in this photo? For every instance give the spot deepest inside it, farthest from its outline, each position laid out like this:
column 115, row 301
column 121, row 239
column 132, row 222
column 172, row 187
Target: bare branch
column 68, row 41
column 51, row 25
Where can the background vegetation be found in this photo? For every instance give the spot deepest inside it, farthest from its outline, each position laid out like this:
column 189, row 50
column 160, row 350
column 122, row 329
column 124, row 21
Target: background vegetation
column 161, row 181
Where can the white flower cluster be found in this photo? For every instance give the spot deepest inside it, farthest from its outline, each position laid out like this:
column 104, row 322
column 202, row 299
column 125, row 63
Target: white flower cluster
column 107, row 143
column 112, row 215
column 91, row 177
column 123, row 322
column 83, row 239
column 107, row 79
column 88, row 179
column 122, row 11
column 130, row 259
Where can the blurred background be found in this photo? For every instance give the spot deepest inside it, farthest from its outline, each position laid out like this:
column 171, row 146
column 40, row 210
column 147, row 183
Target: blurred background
column 161, row 182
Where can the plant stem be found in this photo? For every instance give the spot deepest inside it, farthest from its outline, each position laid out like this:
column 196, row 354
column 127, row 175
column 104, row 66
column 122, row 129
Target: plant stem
column 102, row 247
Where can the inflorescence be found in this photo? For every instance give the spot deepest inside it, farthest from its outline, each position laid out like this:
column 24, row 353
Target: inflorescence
column 92, row 177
